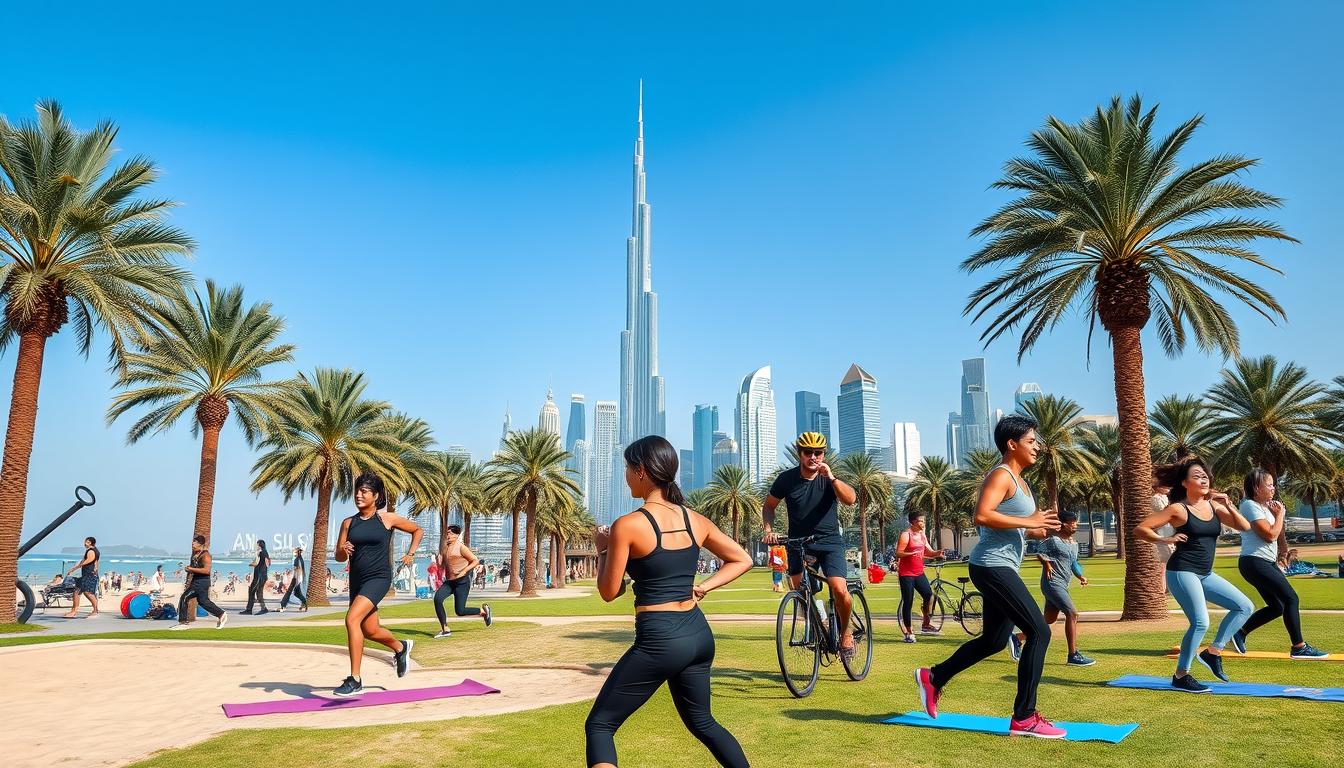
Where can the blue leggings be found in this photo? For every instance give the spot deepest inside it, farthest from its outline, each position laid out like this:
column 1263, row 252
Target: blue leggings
column 1192, row 590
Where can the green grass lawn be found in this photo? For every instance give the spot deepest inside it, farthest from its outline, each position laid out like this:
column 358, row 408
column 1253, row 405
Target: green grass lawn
column 10, row 629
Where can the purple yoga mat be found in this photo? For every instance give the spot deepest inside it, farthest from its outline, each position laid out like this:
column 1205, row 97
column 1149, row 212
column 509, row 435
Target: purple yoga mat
column 467, row 687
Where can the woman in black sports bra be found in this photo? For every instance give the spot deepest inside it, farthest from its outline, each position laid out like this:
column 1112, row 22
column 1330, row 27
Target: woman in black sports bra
column 659, row 546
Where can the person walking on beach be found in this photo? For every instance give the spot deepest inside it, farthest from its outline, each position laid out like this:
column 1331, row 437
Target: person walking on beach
column 1006, row 515
column 659, row 545
column 256, row 589
column 296, row 584
column 198, row 587
column 87, row 584
column 365, row 541
column 912, row 549
column 1197, row 514
column 458, row 564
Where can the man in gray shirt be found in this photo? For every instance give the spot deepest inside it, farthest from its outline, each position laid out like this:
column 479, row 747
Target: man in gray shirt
column 1058, row 554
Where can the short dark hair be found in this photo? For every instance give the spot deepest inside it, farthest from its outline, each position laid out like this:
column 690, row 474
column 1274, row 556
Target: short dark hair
column 374, row 483
column 1068, row 516
column 455, row 528
column 913, row 514
column 1012, row 427
column 199, row 538
column 1254, row 478
column 91, row 540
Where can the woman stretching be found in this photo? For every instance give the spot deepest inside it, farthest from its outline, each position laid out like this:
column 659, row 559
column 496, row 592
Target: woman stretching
column 1006, row 514
column 1198, row 513
column 458, row 564
column 912, row 550
column 366, row 540
column 1258, row 565
column 659, row 545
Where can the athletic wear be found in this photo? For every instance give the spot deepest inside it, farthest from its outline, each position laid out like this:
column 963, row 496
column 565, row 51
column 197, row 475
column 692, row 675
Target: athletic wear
column 1077, row 659
column 672, row 646
column 665, row 575
column 1036, row 726
column 1279, row 596
column 1188, row 684
column 909, row 586
column 458, row 588
column 402, row 659
column 1215, row 664
column 1307, row 652
column 1004, row 547
column 1195, row 554
column 913, row 563
column 453, row 558
column 1251, row 543
column 1063, row 557
column 371, row 562
column 928, row 692
column 199, row 590
column 1191, row 592
column 351, row 687
column 811, row 506
column 830, row 559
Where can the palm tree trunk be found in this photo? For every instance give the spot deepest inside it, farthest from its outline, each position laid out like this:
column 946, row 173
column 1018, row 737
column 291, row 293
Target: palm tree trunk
column 205, row 488
column 14, row 472
column 735, row 541
column 1052, row 491
column 466, row 528
column 562, row 567
column 1091, row 531
column 1119, row 518
column 317, row 559
column 937, row 524
column 530, row 565
column 1315, row 521
column 882, row 536
column 443, row 525
column 863, row 529
column 514, row 583
column 1144, row 596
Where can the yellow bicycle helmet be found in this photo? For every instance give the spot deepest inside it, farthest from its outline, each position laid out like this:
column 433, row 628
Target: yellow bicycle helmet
column 811, row 440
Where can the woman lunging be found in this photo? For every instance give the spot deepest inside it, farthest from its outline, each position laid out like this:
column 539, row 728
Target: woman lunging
column 458, row 564
column 911, row 552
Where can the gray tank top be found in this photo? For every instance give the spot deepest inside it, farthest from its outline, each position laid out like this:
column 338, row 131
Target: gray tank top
column 999, row 547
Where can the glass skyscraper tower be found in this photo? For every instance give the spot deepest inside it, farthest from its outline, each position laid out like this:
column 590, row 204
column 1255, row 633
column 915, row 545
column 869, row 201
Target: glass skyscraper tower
column 757, row 440
column 810, row 415
column 704, row 423
column 977, row 429
column 860, row 420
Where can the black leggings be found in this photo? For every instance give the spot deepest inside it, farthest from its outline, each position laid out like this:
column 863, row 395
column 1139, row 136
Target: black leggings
column 200, row 591
column 1280, row 599
column 909, row 586
column 1007, row 604
column 256, row 592
column 296, row 591
column 672, row 646
column 458, row 588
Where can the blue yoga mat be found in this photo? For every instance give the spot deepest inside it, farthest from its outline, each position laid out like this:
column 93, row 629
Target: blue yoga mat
column 1263, row 690
column 953, row 721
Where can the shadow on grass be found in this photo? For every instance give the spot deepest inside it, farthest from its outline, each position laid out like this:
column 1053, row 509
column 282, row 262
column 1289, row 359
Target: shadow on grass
column 813, row 715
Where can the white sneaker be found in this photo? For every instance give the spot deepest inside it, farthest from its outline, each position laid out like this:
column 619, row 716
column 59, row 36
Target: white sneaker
column 180, row 626
column 221, row 621
column 443, row 634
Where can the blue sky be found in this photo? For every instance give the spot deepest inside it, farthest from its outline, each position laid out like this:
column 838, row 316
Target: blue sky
column 440, row 197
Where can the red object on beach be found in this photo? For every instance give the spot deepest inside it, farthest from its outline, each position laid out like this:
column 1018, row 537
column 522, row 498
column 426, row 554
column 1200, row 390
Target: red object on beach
column 876, row 573
column 126, row 604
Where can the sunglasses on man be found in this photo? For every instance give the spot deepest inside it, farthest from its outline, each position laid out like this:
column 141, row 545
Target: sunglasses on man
column 813, row 452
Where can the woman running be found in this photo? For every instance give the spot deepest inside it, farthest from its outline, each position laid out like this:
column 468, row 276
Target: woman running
column 659, row 545
column 198, row 587
column 1259, row 566
column 458, row 563
column 911, row 552
column 366, row 541
column 1198, row 513
column 1006, row 514
column 256, row 589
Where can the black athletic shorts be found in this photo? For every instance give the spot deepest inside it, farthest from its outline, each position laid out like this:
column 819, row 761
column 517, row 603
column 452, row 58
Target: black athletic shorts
column 374, row 588
column 830, row 559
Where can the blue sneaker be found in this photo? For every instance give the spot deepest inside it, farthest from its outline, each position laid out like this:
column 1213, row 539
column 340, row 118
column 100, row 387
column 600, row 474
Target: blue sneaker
column 1239, row 642
column 1307, row 652
column 1014, row 647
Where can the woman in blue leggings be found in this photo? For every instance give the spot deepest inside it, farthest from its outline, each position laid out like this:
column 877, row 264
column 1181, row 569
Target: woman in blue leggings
column 1198, row 513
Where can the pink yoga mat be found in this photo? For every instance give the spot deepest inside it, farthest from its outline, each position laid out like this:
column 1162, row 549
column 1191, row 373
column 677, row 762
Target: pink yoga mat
column 467, row 687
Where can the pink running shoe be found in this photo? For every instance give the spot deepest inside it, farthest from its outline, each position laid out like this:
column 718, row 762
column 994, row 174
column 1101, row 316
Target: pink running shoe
column 1037, row 726
column 928, row 694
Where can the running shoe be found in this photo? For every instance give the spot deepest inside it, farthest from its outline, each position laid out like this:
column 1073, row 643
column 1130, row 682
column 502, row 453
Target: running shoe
column 928, row 695
column 244, row 613
column 1239, row 642
column 1077, row 659
column 443, row 634
column 1215, row 665
column 927, row 630
column 402, row 659
column 183, row 625
column 1308, row 652
column 909, row 638
column 1014, row 647
column 221, row 621
column 1189, row 684
column 1037, row 726
column 487, row 614
column 263, row 610
column 351, row 687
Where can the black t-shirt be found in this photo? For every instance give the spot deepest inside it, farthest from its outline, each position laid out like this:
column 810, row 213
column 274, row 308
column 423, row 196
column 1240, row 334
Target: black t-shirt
column 90, row 568
column 298, row 564
column 811, row 505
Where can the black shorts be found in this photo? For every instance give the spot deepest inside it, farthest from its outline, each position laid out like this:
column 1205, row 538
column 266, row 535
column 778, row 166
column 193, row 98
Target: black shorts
column 830, row 560
column 374, row 588
column 88, row 584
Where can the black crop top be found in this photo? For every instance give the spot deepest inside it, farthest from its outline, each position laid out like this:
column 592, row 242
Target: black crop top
column 664, row 575
column 1195, row 554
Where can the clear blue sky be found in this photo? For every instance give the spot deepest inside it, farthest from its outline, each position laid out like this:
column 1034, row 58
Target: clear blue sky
column 441, row 199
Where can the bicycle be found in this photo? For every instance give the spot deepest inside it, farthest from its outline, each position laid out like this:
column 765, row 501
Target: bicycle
column 805, row 639
column 968, row 608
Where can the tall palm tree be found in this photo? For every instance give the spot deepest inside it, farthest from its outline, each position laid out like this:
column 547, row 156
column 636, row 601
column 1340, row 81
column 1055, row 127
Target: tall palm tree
column 1178, row 427
column 884, row 513
column 871, row 485
column 455, row 482
column 1335, row 410
column 980, row 462
column 731, row 496
column 1109, row 226
column 530, row 471
column 1267, row 416
column 932, row 490
column 1059, row 428
column 1102, row 445
column 1312, row 488
column 206, row 357
column 328, row 435
column 78, row 242
column 419, row 474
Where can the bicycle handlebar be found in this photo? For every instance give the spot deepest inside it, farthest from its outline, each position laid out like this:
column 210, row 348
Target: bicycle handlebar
column 796, row 540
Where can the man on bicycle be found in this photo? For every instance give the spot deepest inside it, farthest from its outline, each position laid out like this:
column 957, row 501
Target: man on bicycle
column 810, row 492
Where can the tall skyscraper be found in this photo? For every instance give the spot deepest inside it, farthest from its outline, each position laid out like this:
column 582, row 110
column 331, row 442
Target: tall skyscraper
column 549, row 419
column 1026, row 393
column 578, row 420
column 508, row 427
column 576, row 442
column 977, row 426
column 602, row 462
column 905, row 448
column 860, row 420
column 641, row 408
column 725, row 451
column 954, row 439
column 580, row 463
column 704, row 424
column 810, row 415
column 686, row 469
column 756, row 437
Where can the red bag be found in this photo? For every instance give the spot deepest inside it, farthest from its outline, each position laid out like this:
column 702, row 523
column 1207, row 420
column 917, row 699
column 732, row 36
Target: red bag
column 876, row 573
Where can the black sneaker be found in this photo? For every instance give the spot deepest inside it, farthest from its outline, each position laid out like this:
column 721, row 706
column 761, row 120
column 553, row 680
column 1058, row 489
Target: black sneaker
column 245, row 613
column 1215, row 665
column 1014, row 647
column 351, row 687
column 1189, row 684
column 1239, row 642
column 1077, row 659
column 487, row 614
column 1307, row 652
column 402, row 659
column 263, row 610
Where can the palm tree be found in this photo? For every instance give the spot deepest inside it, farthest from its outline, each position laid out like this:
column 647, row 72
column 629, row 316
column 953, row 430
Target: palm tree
column 731, row 496
column 328, row 435
column 1178, row 427
column 419, row 474
column 1103, row 448
column 1108, row 225
column 1335, row 413
column 884, row 514
column 562, row 522
column 871, row 486
column 206, row 357
column 454, row 482
column 528, row 472
column 932, row 490
column 980, row 462
column 1059, row 427
column 1312, row 488
column 1267, row 416
column 77, row 243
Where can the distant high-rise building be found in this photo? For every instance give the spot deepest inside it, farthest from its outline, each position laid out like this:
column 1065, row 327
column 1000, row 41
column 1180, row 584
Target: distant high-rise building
column 1026, row 393
column 578, row 422
column 686, row 469
column 603, row 461
column 810, row 415
column 860, row 420
column 704, row 423
column 580, row 463
column 576, row 442
column 757, row 439
column 549, row 419
column 954, row 439
column 458, row 450
column 1093, row 421
column 725, row 451
column 977, row 428
column 905, row 448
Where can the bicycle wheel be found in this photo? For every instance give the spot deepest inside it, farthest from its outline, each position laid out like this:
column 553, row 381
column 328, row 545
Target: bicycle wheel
column 24, row 602
column 859, row 618
column 937, row 609
column 798, row 645
column 972, row 611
